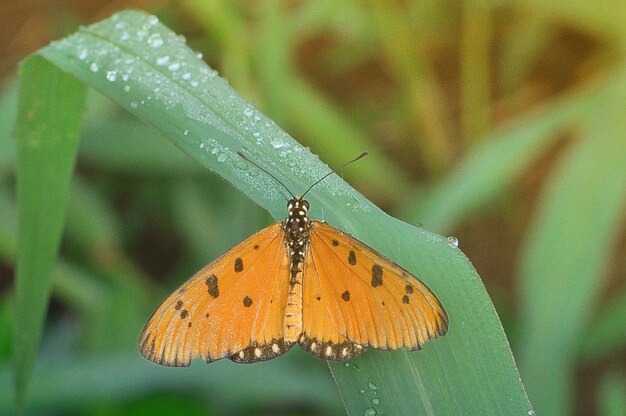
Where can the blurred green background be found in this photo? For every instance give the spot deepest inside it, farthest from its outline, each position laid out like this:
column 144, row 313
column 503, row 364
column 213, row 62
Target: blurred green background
column 501, row 123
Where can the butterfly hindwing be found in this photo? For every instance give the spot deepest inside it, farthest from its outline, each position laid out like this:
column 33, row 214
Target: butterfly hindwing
column 355, row 296
column 320, row 335
column 231, row 308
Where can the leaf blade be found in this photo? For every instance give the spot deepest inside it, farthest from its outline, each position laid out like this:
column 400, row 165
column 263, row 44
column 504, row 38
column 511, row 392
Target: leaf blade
column 49, row 115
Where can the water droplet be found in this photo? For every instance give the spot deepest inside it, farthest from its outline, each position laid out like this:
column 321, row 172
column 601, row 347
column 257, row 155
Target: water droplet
column 153, row 20
column 174, row 67
column 83, row 54
column 120, row 25
column 256, row 134
column 370, row 412
column 242, row 165
column 162, row 60
column 531, row 413
column 126, row 88
column 199, row 55
column 94, row 67
column 277, row 144
column 453, row 241
column 372, row 386
column 347, row 365
column 248, row 112
column 194, row 83
column 186, row 132
column 155, row 40
column 222, row 158
column 361, row 391
column 201, row 145
column 215, row 150
column 376, row 401
column 134, row 104
column 111, row 75
column 187, row 76
column 125, row 36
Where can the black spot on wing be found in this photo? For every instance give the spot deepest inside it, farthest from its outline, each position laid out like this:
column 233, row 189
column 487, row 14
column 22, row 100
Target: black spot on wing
column 247, row 301
column 352, row 257
column 184, row 314
column 179, row 305
column 377, row 275
column 345, row 296
column 238, row 264
column 408, row 289
column 405, row 299
column 212, row 286
column 335, row 243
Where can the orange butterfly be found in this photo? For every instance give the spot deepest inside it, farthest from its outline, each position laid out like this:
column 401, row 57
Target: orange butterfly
column 296, row 281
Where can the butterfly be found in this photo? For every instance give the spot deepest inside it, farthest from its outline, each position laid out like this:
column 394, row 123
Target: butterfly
column 298, row 281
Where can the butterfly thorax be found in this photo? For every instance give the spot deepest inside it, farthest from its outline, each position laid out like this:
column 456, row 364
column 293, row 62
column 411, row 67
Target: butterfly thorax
column 296, row 233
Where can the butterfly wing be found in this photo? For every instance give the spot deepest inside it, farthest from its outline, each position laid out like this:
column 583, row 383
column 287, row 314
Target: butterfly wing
column 355, row 298
column 234, row 307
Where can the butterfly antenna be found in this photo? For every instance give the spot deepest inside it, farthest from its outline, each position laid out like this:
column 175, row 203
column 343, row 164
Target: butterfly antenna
column 361, row 156
column 243, row 156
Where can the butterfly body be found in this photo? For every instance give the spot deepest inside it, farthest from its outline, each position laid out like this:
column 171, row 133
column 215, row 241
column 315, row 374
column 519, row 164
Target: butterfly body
column 298, row 281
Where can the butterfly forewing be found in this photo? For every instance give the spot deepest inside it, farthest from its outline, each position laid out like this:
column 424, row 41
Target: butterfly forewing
column 232, row 308
column 367, row 299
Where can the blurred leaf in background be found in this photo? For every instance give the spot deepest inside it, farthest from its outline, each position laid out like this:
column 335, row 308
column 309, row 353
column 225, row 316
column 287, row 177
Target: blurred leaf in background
column 499, row 123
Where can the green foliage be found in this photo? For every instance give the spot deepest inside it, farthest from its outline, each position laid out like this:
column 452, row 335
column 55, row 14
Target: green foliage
column 49, row 114
column 138, row 207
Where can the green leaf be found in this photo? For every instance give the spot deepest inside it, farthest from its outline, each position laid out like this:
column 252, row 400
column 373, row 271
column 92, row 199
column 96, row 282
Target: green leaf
column 66, row 385
column 49, row 115
column 612, row 394
column 8, row 110
column 568, row 246
column 148, row 70
column 501, row 158
column 605, row 334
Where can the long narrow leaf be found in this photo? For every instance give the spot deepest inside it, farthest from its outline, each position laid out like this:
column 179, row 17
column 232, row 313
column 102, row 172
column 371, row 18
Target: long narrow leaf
column 495, row 164
column 568, row 245
column 50, row 110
